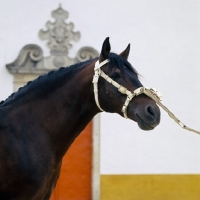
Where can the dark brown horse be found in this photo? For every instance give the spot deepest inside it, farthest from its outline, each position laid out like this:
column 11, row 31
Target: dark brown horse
column 40, row 121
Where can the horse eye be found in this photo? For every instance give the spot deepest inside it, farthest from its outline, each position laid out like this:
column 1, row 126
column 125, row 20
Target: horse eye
column 115, row 75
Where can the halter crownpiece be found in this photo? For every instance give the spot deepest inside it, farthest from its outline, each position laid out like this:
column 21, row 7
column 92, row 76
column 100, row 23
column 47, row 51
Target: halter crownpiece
column 151, row 92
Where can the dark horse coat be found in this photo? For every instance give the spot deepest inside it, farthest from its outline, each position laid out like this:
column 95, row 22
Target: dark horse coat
column 40, row 121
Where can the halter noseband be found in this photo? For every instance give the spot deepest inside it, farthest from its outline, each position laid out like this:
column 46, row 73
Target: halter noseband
column 98, row 72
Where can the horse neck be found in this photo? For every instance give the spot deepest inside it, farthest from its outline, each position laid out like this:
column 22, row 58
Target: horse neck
column 60, row 115
column 72, row 108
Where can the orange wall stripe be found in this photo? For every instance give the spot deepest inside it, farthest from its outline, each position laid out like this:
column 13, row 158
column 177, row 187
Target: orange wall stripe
column 75, row 179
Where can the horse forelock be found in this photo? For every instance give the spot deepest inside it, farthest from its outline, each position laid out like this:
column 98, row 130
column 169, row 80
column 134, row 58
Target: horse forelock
column 121, row 63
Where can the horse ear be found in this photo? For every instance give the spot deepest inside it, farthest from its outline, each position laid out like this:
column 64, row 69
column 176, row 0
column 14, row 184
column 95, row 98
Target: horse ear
column 125, row 53
column 105, row 50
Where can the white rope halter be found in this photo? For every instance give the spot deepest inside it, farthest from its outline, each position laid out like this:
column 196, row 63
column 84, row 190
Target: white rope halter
column 151, row 92
column 98, row 72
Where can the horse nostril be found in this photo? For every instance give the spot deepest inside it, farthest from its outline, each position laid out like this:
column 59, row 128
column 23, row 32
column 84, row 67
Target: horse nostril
column 150, row 111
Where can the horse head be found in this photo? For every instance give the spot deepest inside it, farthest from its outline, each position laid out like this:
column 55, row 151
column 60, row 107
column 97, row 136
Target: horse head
column 115, row 81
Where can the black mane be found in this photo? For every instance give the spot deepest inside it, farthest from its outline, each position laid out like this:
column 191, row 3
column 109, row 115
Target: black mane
column 48, row 82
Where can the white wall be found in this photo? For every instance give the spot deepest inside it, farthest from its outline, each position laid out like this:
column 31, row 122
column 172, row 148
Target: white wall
column 165, row 49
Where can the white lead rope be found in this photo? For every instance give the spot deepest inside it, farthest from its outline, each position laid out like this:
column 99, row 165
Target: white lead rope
column 155, row 95
column 151, row 92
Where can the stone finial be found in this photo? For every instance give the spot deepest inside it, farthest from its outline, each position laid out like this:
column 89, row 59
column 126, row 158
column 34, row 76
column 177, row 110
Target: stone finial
column 59, row 34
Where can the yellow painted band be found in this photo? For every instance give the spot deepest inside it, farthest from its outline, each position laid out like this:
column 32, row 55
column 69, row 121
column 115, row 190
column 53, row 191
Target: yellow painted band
column 150, row 187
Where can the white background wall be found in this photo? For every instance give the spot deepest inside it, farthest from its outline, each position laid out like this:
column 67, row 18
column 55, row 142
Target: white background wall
column 165, row 49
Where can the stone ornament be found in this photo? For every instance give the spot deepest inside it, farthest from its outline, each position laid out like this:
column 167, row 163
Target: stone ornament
column 59, row 34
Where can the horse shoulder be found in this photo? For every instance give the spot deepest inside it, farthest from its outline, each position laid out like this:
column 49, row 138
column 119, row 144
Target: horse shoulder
column 26, row 163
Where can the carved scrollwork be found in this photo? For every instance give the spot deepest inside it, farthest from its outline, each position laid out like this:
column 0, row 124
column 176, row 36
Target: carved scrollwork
column 30, row 52
column 86, row 53
column 36, row 52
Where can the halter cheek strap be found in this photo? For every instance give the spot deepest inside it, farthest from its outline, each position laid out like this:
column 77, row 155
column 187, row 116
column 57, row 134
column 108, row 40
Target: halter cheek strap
column 97, row 73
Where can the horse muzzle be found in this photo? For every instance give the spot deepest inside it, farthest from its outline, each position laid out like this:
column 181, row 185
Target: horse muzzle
column 147, row 117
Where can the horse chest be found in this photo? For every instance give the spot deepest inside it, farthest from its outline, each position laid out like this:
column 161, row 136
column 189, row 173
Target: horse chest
column 33, row 183
column 26, row 171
